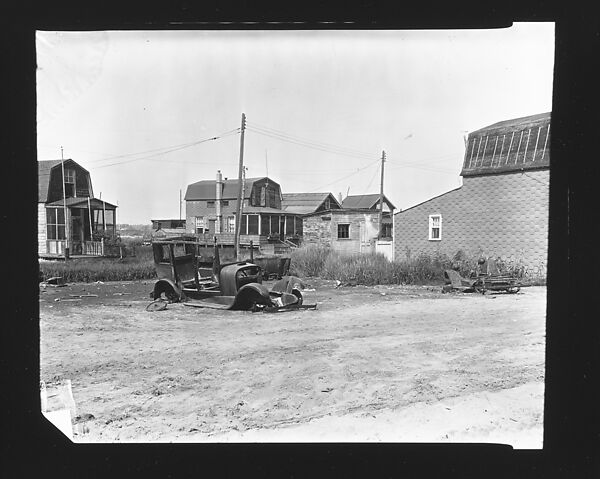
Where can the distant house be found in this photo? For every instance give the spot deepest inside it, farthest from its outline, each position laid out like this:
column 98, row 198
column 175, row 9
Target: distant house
column 68, row 214
column 353, row 228
column 211, row 208
column 501, row 209
column 168, row 228
column 305, row 203
column 169, row 223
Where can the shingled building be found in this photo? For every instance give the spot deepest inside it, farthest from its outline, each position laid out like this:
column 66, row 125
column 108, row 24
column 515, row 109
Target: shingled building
column 501, row 209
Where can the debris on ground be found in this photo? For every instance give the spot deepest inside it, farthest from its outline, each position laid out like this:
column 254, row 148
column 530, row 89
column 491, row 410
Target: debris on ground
column 55, row 281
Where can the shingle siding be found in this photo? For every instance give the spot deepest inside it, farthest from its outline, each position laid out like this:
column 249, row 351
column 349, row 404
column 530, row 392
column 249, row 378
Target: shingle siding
column 502, row 215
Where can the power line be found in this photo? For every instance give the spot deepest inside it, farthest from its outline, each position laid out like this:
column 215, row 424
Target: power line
column 309, row 145
column 165, row 152
column 347, row 176
column 159, row 150
column 314, row 142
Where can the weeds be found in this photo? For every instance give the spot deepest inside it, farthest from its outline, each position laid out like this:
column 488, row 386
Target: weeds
column 88, row 270
column 371, row 269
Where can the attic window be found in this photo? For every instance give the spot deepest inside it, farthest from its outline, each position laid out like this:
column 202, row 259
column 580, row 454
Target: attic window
column 327, row 204
column 69, row 182
column 435, row 227
column 210, row 204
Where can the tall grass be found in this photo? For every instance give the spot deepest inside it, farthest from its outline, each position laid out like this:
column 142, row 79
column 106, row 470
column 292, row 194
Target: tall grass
column 89, row 270
column 370, row 269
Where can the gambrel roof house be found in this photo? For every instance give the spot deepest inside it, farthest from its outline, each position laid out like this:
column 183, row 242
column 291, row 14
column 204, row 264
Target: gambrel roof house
column 211, row 209
column 501, row 209
column 303, row 203
column 87, row 218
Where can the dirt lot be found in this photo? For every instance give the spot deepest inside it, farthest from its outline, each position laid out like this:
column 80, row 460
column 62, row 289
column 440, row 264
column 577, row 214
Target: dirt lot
column 384, row 363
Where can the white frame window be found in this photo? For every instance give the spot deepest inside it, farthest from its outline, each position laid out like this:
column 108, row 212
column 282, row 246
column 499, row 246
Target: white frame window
column 435, row 227
column 199, row 223
column 231, row 224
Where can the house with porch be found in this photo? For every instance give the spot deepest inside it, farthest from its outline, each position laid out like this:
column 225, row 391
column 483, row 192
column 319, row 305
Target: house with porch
column 211, row 209
column 501, row 209
column 70, row 219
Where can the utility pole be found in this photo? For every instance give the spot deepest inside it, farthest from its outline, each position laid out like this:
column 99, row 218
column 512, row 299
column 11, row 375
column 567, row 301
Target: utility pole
column 381, row 197
column 238, row 216
column 67, row 229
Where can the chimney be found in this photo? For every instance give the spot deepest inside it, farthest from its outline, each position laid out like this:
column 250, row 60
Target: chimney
column 219, row 192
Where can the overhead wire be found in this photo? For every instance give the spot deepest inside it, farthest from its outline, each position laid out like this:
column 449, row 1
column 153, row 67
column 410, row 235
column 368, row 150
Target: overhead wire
column 310, row 145
column 306, row 140
column 158, row 150
column 149, row 157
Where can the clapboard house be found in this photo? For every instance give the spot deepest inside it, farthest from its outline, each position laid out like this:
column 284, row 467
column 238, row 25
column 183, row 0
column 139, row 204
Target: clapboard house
column 211, row 209
column 68, row 214
column 501, row 209
column 352, row 226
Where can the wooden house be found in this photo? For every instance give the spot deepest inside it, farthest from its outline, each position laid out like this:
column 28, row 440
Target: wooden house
column 501, row 209
column 352, row 227
column 68, row 214
column 211, row 208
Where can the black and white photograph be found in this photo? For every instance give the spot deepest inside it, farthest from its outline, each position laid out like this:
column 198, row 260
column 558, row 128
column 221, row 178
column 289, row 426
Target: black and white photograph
column 294, row 236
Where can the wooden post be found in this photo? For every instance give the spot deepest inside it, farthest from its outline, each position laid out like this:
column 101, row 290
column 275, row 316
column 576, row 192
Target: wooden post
column 509, row 147
column 546, row 142
column 536, row 142
column 381, row 197
column 494, row 154
column 67, row 229
column 238, row 217
column 519, row 147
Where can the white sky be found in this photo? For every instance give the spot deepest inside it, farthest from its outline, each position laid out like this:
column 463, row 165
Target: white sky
column 413, row 94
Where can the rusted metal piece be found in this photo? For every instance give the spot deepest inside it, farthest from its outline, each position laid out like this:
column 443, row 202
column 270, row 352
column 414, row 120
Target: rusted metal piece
column 488, row 278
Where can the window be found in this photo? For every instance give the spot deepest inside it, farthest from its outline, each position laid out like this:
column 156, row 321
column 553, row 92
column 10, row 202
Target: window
column 327, row 204
column 200, row 225
column 225, row 202
column 231, row 224
column 435, row 227
column 69, row 182
column 343, row 231
column 55, row 223
column 210, row 204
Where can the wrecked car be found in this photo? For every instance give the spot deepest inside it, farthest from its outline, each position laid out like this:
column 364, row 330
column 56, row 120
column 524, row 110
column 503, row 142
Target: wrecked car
column 234, row 286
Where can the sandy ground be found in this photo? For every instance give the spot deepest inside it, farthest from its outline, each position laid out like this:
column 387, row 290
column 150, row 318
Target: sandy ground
column 371, row 364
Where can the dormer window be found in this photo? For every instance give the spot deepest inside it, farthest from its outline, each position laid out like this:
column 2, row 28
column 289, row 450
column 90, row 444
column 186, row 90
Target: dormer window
column 69, row 182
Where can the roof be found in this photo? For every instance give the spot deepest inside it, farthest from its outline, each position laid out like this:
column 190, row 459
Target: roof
column 45, row 168
column 302, row 203
column 510, row 145
column 364, row 201
column 264, row 209
column 169, row 221
column 82, row 202
column 206, row 189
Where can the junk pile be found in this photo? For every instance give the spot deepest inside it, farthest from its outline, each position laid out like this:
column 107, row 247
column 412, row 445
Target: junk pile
column 488, row 278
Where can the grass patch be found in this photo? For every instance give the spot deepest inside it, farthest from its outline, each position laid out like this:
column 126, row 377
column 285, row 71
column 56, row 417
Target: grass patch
column 374, row 268
column 87, row 270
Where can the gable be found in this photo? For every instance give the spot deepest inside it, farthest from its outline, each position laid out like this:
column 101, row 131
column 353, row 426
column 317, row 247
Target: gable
column 50, row 180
